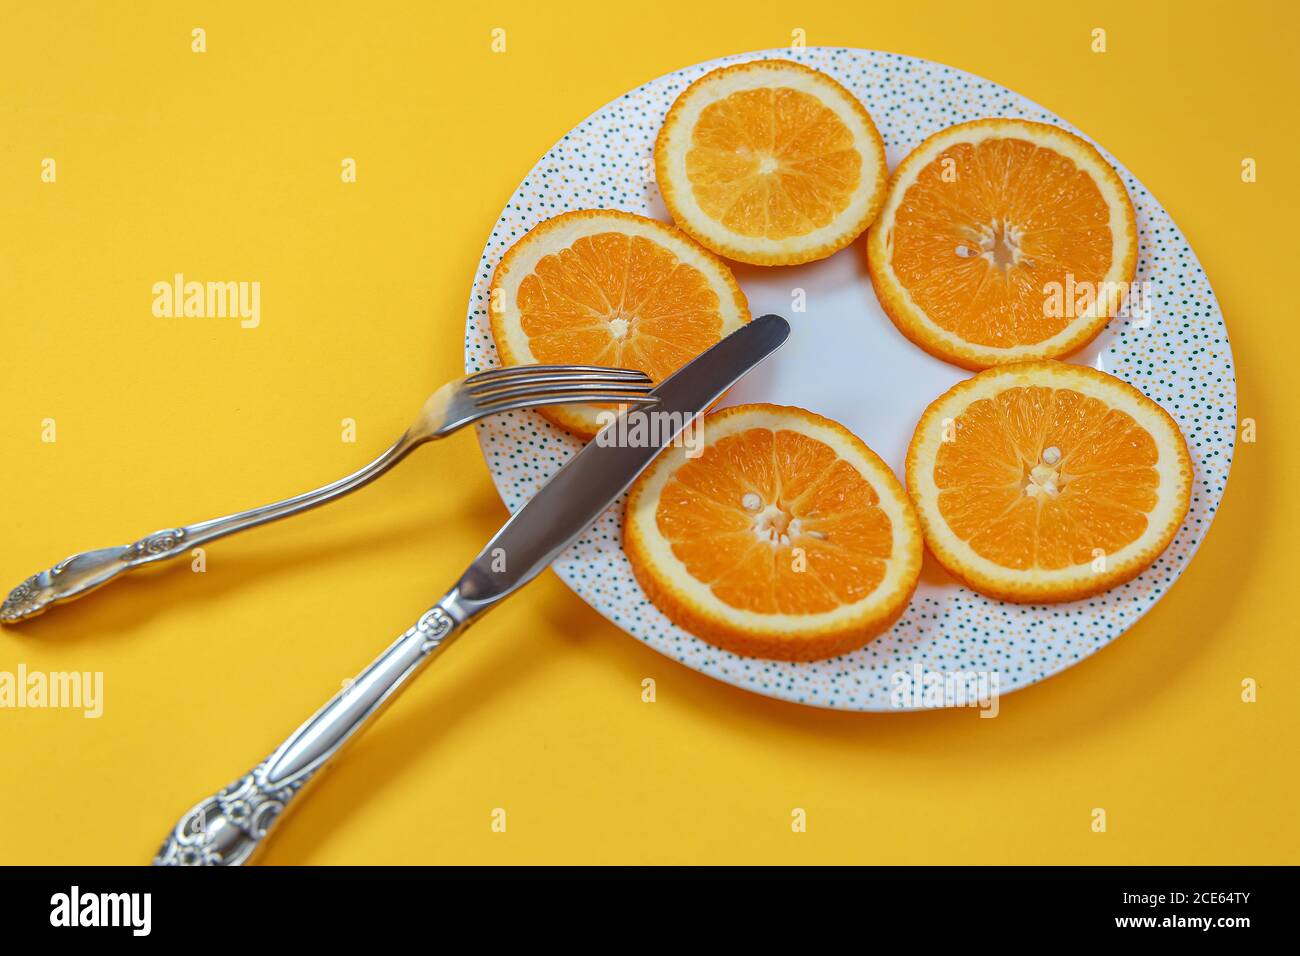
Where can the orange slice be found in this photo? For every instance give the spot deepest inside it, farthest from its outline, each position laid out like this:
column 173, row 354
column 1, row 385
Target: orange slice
column 784, row 536
column 1047, row 482
column 1003, row 241
column 603, row 287
column 771, row 163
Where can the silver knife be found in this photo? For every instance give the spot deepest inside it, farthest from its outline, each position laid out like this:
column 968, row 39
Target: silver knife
column 230, row 826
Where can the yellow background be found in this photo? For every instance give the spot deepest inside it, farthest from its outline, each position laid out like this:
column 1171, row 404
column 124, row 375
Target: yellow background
column 225, row 165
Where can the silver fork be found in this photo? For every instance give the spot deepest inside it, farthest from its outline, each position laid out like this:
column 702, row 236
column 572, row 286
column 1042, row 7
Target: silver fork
column 450, row 408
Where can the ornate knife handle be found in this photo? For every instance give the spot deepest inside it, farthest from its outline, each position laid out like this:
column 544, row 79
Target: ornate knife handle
column 227, row 828
column 81, row 573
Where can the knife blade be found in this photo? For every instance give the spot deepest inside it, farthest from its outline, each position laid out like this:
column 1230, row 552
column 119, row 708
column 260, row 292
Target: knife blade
column 594, row 478
column 231, row 825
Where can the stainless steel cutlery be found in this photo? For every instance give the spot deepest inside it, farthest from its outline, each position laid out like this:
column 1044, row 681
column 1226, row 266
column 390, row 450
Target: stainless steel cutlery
column 450, row 408
column 232, row 824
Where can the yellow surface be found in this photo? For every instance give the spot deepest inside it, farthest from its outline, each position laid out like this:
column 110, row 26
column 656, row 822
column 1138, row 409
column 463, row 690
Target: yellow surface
column 226, row 165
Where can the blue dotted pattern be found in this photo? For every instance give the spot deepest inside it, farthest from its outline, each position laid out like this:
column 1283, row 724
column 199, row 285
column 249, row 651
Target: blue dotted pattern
column 1181, row 359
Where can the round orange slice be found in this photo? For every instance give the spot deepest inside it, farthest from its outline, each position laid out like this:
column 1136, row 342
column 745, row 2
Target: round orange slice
column 1003, row 241
column 770, row 162
column 603, row 287
column 1047, row 482
column 780, row 535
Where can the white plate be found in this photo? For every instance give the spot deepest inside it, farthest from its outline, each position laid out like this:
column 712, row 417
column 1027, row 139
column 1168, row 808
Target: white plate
column 846, row 360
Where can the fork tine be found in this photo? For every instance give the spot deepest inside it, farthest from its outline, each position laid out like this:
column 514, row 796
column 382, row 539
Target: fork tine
column 576, row 392
column 585, row 380
column 482, row 390
column 509, row 369
column 639, row 400
column 496, row 375
column 526, row 372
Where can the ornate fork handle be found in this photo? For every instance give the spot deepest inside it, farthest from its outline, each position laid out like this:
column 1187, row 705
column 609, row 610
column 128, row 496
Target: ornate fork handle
column 450, row 408
column 82, row 573
column 227, row 828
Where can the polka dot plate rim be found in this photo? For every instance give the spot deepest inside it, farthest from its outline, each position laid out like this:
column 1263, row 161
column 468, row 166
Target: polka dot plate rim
column 877, row 384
